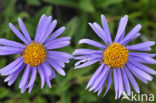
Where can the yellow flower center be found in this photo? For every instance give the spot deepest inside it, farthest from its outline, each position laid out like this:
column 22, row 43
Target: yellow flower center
column 115, row 55
column 34, row 54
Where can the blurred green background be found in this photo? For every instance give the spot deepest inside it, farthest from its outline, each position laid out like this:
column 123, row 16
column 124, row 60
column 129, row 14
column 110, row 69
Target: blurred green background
column 75, row 15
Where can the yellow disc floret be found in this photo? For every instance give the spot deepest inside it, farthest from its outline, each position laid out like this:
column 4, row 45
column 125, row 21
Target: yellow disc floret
column 115, row 55
column 34, row 54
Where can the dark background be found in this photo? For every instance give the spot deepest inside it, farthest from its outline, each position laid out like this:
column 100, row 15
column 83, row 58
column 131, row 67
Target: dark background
column 75, row 15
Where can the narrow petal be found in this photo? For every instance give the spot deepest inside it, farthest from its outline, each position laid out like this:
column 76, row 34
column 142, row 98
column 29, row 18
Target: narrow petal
column 98, row 32
column 86, row 51
column 58, row 57
column 140, row 54
column 93, row 43
column 106, row 28
column 115, row 82
column 45, row 28
column 49, row 31
column 24, row 30
column 126, row 82
column 131, row 34
column 16, row 67
column 141, row 45
column 33, row 77
column 13, row 79
column 41, row 76
column 56, row 34
column 67, row 55
column 109, row 81
column 101, row 31
column 57, row 68
column 139, row 72
column 143, row 67
column 95, row 75
column 47, row 69
column 39, row 27
column 18, row 33
column 47, row 79
column 58, row 45
column 24, row 81
column 120, row 85
column 11, row 65
column 132, row 80
column 121, row 28
column 61, row 64
column 11, row 43
column 99, row 79
column 88, row 63
column 130, row 39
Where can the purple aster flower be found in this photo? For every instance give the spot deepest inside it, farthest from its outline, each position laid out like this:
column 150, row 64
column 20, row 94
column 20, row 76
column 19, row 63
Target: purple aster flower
column 38, row 54
column 117, row 59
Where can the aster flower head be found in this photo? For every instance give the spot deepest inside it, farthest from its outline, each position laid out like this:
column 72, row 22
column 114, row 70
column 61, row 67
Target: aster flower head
column 35, row 55
column 118, row 60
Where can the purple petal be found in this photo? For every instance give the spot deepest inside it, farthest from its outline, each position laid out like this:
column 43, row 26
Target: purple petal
column 88, row 63
column 11, row 65
column 120, row 85
column 95, row 75
column 86, row 51
column 121, row 28
column 24, row 81
column 58, row 57
column 11, row 43
column 131, row 34
column 39, row 27
column 33, row 77
column 24, row 30
column 109, row 81
column 47, row 69
column 61, row 64
column 18, row 33
column 57, row 67
column 132, row 80
column 47, row 79
column 106, row 28
column 55, row 45
column 16, row 73
column 67, row 55
column 143, row 67
column 13, row 69
column 144, row 59
column 141, row 45
column 45, row 26
column 49, row 31
column 93, row 43
column 139, row 72
column 56, row 34
column 140, row 54
column 101, row 32
column 41, row 76
column 99, row 78
column 95, row 28
column 115, row 82
column 126, row 82
column 130, row 39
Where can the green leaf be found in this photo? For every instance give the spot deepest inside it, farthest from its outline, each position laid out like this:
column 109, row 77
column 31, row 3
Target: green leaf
column 3, row 92
column 71, row 27
column 106, row 3
column 86, row 5
column 39, row 100
column 69, row 3
column 34, row 2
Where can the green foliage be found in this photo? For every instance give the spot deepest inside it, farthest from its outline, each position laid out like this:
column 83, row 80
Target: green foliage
column 75, row 16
